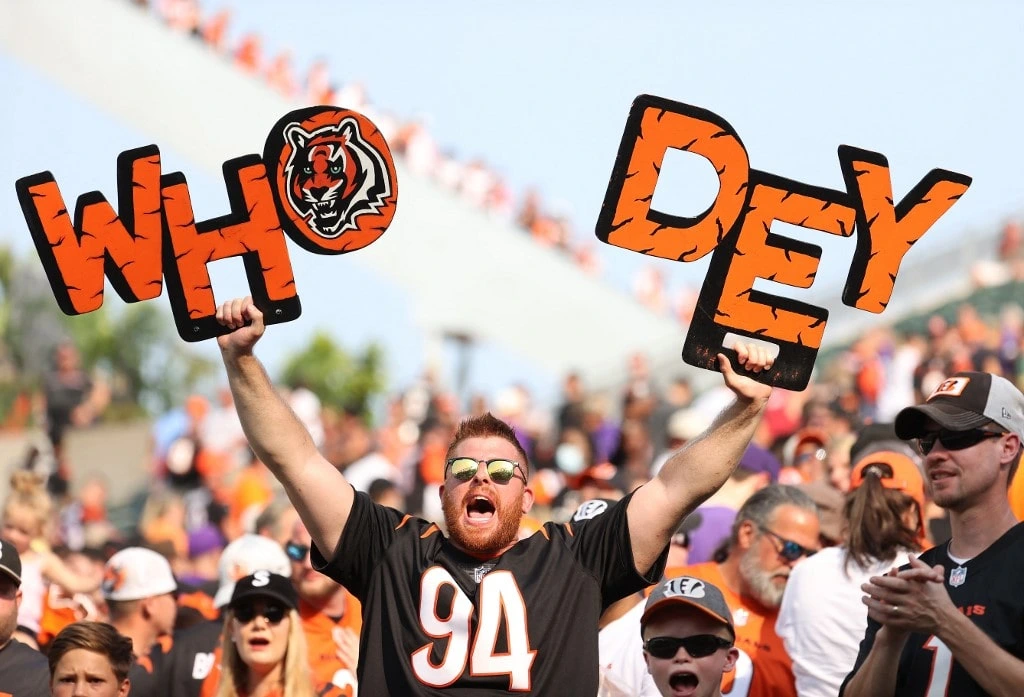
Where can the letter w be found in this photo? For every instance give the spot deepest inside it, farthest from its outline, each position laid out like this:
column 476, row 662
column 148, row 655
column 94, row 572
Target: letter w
column 125, row 247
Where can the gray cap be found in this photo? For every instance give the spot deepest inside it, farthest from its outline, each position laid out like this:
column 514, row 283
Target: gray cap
column 691, row 592
column 964, row 401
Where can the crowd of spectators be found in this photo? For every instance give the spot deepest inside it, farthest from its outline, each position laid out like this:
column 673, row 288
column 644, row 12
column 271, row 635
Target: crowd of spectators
column 207, row 489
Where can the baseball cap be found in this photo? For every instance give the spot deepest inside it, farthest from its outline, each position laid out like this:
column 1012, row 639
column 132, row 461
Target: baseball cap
column 265, row 584
column 135, row 573
column 10, row 561
column 757, row 459
column 686, row 424
column 245, row 555
column 692, row 592
column 964, row 401
column 894, row 471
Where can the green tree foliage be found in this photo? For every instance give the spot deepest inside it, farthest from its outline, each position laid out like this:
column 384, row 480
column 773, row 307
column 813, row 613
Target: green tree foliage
column 149, row 367
column 340, row 379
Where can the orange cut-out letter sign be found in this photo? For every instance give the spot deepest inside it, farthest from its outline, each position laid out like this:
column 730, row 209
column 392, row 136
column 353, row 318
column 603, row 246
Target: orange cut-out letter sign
column 251, row 231
column 655, row 125
column 737, row 228
column 124, row 245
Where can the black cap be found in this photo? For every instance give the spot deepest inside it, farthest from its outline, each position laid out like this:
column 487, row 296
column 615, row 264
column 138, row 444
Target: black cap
column 265, row 584
column 964, row 401
column 10, row 562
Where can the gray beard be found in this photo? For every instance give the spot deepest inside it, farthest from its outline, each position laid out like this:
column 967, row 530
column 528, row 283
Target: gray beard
column 759, row 584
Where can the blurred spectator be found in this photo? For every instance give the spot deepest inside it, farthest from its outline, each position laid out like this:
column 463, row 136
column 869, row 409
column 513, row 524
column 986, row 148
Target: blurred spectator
column 26, row 516
column 807, row 461
column 821, row 618
column 22, row 667
column 712, row 522
column 72, row 399
column 331, row 616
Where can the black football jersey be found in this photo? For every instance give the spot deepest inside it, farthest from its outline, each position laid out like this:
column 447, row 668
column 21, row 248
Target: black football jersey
column 987, row 590
column 438, row 622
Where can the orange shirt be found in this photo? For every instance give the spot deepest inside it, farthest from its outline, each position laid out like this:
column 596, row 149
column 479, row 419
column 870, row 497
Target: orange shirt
column 322, row 639
column 764, row 669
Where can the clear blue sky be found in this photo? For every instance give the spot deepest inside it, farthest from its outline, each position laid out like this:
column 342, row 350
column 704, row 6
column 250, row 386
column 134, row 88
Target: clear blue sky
column 541, row 90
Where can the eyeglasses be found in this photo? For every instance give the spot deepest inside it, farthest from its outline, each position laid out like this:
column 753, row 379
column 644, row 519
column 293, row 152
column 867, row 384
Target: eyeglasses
column 296, row 552
column 501, row 471
column 698, row 646
column 272, row 612
column 789, row 550
column 954, row 440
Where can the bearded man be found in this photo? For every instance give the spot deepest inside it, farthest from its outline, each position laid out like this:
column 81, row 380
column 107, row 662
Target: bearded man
column 478, row 611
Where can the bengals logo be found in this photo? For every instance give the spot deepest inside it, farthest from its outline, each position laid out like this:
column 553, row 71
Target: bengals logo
column 113, row 579
column 335, row 178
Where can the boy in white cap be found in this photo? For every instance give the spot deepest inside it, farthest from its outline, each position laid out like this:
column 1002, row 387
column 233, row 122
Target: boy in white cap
column 688, row 638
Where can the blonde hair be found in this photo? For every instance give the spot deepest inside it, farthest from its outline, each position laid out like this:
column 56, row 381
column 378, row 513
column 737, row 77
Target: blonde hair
column 28, row 490
column 296, row 676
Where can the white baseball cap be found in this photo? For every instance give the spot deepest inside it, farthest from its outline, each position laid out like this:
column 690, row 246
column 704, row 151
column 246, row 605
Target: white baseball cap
column 135, row 573
column 242, row 557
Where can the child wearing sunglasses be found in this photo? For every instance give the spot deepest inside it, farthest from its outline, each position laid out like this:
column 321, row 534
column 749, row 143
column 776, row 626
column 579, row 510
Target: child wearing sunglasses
column 688, row 637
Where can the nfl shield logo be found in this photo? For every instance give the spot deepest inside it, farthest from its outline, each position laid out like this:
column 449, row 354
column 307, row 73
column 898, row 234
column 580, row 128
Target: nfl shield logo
column 957, row 576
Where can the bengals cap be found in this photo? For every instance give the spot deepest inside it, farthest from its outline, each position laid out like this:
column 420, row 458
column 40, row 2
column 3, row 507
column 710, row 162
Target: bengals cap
column 135, row 573
column 10, row 562
column 964, row 401
column 688, row 591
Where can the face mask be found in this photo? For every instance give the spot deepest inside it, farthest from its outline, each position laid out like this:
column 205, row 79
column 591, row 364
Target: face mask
column 569, row 458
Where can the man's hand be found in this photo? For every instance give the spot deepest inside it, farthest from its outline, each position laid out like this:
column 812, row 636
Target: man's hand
column 246, row 320
column 754, row 358
column 914, row 600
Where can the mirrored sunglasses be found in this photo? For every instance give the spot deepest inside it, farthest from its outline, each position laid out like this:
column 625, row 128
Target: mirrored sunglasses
column 273, row 613
column 500, row 471
column 697, row 646
column 296, row 552
column 954, row 440
column 787, row 549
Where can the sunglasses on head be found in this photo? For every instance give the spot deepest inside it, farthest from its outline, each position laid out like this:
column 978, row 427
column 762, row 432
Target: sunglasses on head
column 296, row 552
column 698, row 646
column 272, row 612
column 787, row 549
column 500, row 470
column 954, row 440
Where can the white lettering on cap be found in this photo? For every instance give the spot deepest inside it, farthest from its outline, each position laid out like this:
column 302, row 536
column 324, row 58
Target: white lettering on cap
column 685, row 586
column 260, row 578
column 953, row 387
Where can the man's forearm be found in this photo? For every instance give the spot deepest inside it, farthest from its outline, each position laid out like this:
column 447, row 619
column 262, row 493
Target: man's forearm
column 998, row 672
column 702, row 467
column 274, row 433
column 877, row 675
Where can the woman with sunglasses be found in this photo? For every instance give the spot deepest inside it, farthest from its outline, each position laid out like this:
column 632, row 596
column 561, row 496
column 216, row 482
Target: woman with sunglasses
column 263, row 650
column 822, row 619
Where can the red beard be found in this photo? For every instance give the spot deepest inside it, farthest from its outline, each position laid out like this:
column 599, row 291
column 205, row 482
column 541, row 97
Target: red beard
column 478, row 542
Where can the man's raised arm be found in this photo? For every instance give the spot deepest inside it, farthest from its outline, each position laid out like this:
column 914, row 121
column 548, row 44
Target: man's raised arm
column 698, row 470
column 318, row 491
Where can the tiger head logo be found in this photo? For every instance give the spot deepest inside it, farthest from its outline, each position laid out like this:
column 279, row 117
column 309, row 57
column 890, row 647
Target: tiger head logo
column 333, row 176
column 114, row 578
